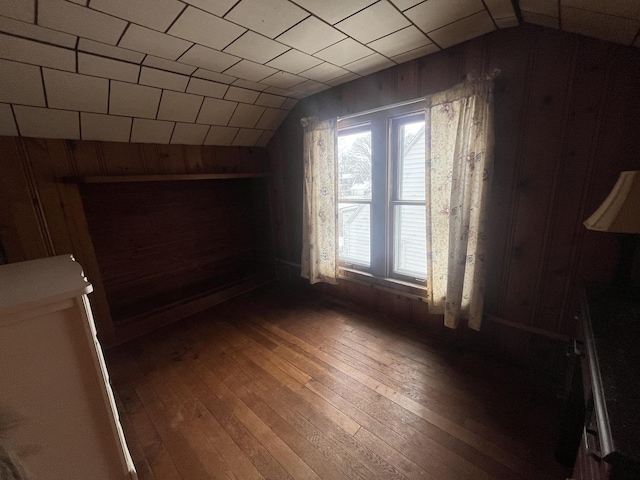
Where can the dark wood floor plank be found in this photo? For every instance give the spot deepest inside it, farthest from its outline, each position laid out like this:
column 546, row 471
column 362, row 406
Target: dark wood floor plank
column 350, row 467
column 281, row 369
column 449, row 407
column 488, row 448
column 243, row 387
column 289, row 387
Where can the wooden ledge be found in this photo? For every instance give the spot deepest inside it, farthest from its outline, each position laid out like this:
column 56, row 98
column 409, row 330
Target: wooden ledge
column 161, row 178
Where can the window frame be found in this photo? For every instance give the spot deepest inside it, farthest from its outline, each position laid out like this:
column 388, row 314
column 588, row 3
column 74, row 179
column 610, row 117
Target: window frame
column 384, row 196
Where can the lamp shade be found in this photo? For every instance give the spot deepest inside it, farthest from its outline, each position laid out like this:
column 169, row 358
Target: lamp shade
column 620, row 211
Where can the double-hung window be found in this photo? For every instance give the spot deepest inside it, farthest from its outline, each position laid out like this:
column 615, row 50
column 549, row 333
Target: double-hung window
column 381, row 193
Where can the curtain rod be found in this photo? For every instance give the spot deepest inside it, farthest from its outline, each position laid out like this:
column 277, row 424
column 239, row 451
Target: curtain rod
column 380, row 109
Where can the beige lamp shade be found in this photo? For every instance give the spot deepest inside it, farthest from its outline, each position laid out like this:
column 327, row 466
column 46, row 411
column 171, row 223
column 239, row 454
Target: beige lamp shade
column 620, row 212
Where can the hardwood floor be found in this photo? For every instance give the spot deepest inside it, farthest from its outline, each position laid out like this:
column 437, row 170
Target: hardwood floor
column 274, row 387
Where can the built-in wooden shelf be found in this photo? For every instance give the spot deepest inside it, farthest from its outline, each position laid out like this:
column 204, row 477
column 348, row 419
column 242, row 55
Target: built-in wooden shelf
column 161, row 178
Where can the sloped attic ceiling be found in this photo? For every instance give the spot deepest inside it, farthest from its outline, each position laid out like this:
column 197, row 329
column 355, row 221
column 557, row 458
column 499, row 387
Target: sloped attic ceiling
column 226, row 72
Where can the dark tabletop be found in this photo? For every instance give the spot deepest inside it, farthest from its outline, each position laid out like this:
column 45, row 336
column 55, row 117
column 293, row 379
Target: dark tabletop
column 615, row 321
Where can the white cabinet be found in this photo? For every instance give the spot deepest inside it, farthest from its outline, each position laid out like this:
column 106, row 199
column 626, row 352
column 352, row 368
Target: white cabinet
column 52, row 373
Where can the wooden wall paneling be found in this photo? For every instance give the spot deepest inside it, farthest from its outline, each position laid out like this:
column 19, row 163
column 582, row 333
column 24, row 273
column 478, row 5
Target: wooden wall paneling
column 44, row 171
column 25, row 236
column 538, row 317
column 474, row 58
column 194, row 158
column 578, row 157
column 276, row 192
column 407, row 81
column 172, row 158
column 441, row 70
column 331, row 102
column 150, row 158
column 366, row 94
column 292, row 174
column 121, row 158
column 618, row 149
column 160, row 242
column 63, row 159
column 541, row 139
column 514, row 57
column 85, row 158
column 51, row 217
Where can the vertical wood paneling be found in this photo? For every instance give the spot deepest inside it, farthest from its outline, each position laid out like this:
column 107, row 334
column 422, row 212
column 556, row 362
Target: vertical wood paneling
column 511, row 97
column 578, row 159
column 567, row 116
column 40, row 215
column 535, row 181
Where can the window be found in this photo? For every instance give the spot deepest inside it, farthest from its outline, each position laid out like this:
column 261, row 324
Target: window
column 381, row 193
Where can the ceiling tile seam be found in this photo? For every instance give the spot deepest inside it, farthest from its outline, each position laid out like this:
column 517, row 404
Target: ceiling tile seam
column 206, row 134
column 341, row 20
column 271, row 39
column 159, row 103
column 392, row 33
column 173, row 129
column 177, row 17
column 131, row 129
column 458, row 20
column 231, row 8
column 409, row 51
column 297, row 23
column 122, row 34
column 15, row 120
column 80, row 126
column 35, row 12
column 539, row 15
column 390, row 3
column 80, row 112
column 490, row 15
column 193, row 44
column 204, row 46
column 120, row 80
column 44, row 88
column 412, row 23
column 76, row 50
column 237, row 129
column 232, row 114
column 37, row 40
column 171, row 139
column 109, row 96
column 599, row 13
column 199, row 110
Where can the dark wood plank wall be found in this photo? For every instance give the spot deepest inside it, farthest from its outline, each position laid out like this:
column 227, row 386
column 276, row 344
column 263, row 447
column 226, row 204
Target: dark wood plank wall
column 42, row 216
column 567, row 116
column 161, row 242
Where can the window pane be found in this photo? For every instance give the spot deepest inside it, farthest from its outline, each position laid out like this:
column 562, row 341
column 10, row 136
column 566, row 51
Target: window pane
column 354, row 235
column 354, row 165
column 410, row 244
column 411, row 161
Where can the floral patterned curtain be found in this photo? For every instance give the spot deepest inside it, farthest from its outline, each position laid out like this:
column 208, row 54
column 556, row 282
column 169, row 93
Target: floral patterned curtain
column 459, row 167
column 319, row 261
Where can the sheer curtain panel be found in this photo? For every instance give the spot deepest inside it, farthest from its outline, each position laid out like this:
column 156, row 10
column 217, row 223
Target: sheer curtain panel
column 458, row 174
column 319, row 262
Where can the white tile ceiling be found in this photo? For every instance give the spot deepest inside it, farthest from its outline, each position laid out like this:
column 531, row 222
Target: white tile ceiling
column 226, row 72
